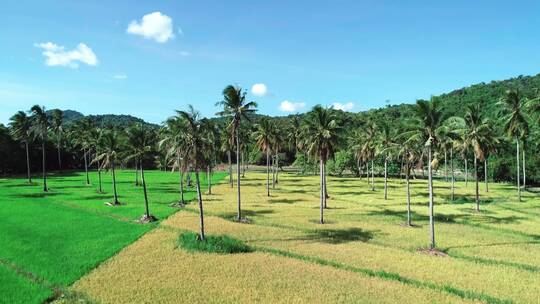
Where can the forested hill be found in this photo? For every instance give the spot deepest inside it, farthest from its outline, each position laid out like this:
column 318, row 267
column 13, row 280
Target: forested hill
column 104, row 120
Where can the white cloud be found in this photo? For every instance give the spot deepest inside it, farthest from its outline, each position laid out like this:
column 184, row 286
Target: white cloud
column 287, row 106
column 259, row 89
column 120, row 76
column 153, row 26
column 56, row 55
column 343, row 106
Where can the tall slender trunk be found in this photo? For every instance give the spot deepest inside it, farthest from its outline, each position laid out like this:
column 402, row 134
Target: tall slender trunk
column 238, row 174
column 209, row 180
column 358, row 168
column 407, row 171
column 181, row 173
column 466, row 174
column 445, row 167
column 28, row 162
column 277, row 168
column 99, row 174
column 372, row 177
column 322, row 191
column 199, row 198
column 367, row 171
column 86, row 167
column 385, row 179
column 59, row 153
column 230, row 168
column 486, row 174
column 267, row 172
column 326, row 196
column 273, row 172
column 431, row 219
column 116, row 202
column 147, row 209
column 476, row 198
column 44, row 166
column 517, row 162
column 452, row 172
column 524, row 175
column 136, row 173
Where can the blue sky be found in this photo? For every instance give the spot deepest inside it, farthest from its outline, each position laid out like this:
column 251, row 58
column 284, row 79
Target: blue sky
column 103, row 57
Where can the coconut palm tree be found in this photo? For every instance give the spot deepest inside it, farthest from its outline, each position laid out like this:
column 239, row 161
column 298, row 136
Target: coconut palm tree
column 386, row 147
column 355, row 142
column 226, row 147
column 139, row 146
column 369, row 148
column 80, row 133
column 195, row 142
column 320, row 136
column 430, row 118
column 408, row 150
column 95, row 136
column 236, row 108
column 293, row 133
column 21, row 126
column 264, row 137
column 40, row 128
column 111, row 145
column 173, row 141
column 515, row 124
column 57, row 127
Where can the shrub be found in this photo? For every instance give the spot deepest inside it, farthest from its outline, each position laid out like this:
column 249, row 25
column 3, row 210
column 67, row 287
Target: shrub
column 216, row 244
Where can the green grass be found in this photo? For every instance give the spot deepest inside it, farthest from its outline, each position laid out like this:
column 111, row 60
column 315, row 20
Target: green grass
column 222, row 244
column 52, row 239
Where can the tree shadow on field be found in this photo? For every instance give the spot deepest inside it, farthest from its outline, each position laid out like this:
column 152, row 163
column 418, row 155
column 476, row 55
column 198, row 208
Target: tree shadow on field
column 402, row 215
column 245, row 213
column 36, row 195
column 338, row 236
column 284, row 201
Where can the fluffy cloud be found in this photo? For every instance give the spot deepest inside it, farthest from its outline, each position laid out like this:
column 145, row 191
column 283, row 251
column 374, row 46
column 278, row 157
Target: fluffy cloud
column 153, row 26
column 343, row 106
column 57, row 55
column 259, row 89
column 120, row 76
column 287, row 106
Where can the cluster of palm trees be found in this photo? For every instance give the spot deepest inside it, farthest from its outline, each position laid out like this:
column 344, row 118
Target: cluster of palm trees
column 192, row 144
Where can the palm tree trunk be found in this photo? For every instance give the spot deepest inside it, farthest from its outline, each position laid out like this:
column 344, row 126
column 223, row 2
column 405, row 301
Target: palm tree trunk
column 199, row 198
column 326, row 196
column 209, row 180
column 273, row 172
column 59, row 154
column 476, row 198
column 238, row 174
column 28, row 162
column 267, row 172
column 86, row 167
column 517, row 162
column 385, row 179
column 116, row 202
column 367, row 172
column 372, row 177
column 243, row 166
column 524, row 175
column 466, row 174
column 452, row 172
column 431, row 219
column 277, row 168
column 486, row 174
column 99, row 173
column 230, row 168
column 407, row 171
column 445, row 167
column 322, row 191
column 147, row 209
column 136, row 173
column 181, row 173
column 44, row 166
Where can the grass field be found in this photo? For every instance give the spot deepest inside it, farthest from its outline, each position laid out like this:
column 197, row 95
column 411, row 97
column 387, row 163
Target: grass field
column 363, row 253
column 49, row 240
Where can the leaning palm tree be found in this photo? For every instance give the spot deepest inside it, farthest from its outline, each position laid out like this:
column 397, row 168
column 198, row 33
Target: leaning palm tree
column 195, row 142
column 110, row 148
column 57, row 127
column 40, row 128
column 264, row 136
column 236, row 107
column 139, row 145
column 320, row 136
column 95, row 136
column 430, row 118
column 21, row 126
column 515, row 124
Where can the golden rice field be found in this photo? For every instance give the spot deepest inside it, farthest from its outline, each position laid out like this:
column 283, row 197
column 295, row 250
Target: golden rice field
column 363, row 253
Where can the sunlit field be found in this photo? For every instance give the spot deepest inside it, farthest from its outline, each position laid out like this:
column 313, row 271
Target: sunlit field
column 364, row 252
column 49, row 240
